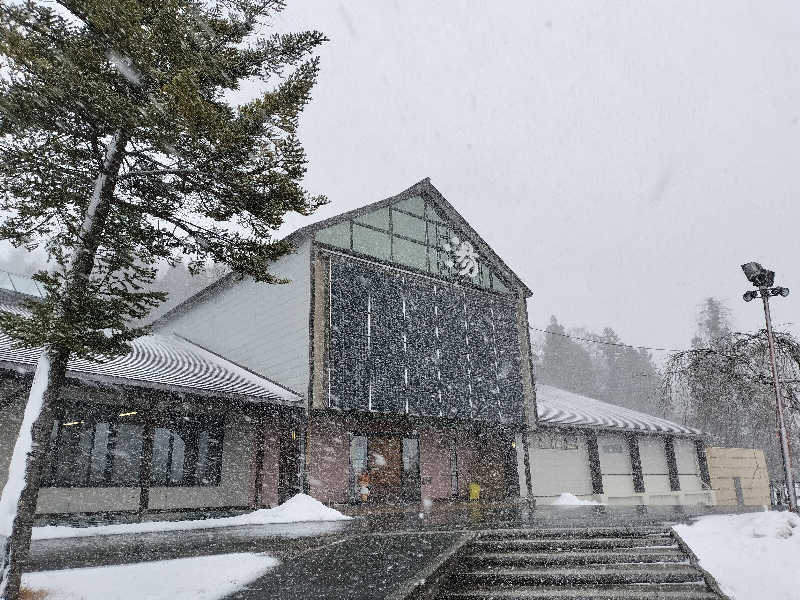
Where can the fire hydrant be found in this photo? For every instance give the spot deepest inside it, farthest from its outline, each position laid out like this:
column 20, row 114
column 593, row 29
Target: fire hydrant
column 363, row 483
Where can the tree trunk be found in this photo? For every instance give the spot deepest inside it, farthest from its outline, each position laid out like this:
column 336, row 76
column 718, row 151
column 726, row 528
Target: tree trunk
column 18, row 503
column 23, row 480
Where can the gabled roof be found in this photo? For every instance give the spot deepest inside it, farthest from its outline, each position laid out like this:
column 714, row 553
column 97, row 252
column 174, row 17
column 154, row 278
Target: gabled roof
column 166, row 362
column 422, row 188
column 559, row 407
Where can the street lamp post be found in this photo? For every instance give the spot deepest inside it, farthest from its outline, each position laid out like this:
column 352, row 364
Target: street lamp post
column 764, row 279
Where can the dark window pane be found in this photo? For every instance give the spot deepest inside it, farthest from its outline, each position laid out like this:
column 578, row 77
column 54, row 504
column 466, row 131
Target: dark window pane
column 97, row 471
column 126, row 455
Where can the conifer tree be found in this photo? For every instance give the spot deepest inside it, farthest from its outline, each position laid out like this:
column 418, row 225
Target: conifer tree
column 118, row 150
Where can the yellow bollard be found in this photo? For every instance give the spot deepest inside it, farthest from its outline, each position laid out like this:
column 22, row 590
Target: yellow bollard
column 474, row 491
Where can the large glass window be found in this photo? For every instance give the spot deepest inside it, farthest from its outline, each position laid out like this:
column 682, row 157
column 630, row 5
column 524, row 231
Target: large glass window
column 369, row 241
column 188, row 452
column 410, row 253
column 412, row 227
column 100, row 445
column 413, row 233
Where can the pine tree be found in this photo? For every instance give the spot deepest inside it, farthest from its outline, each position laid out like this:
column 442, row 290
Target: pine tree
column 118, row 150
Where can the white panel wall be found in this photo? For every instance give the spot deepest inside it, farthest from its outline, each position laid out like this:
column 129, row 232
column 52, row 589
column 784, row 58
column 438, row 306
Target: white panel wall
column 264, row 327
column 558, row 470
column 654, row 464
column 688, row 467
column 615, row 465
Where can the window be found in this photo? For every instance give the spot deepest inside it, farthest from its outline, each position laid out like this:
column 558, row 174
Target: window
column 557, row 441
column 408, row 226
column 358, row 462
column 100, row 445
column 188, row 452
column 412, row 233
column 369, row 241
column 335, row 235
column 95, row 446
column 377, row 218
column 410, row 253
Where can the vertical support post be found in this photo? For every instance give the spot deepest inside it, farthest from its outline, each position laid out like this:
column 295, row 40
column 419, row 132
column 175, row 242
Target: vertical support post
column 672, row 464
column 527, row 462
column 636, row 464
column 782, row 435
column 702, row 462
column 261, row 442
column 594, row 462
column 146, row 465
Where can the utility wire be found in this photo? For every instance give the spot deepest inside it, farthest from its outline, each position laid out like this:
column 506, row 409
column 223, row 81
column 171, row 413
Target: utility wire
column 582, row 339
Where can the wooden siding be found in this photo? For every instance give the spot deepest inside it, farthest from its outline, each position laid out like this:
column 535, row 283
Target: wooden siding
column 263, row 327
column 748, row 465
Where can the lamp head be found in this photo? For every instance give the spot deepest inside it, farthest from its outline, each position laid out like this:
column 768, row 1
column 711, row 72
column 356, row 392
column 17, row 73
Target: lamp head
column 751, row 295
column 758, row 275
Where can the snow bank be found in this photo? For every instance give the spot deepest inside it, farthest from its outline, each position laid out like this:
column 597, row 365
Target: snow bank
column 297, row 509
column 567, row 499
column 199, row 578
column 752, row 556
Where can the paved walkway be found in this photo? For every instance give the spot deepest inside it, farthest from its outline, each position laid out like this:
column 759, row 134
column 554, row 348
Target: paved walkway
column 366, row 557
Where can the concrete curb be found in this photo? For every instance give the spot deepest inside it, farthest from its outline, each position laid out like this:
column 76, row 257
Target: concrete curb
column 425, row 584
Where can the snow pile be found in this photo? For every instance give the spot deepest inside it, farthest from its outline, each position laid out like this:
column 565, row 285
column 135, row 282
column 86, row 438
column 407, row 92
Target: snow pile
column 752, row 556
column 567, row 499
column 199, row 578
column 297, row 509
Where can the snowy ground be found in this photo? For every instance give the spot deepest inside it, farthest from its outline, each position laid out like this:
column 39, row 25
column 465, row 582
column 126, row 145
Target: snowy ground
column 753, row 556
column 299, row 508
column 202, row 578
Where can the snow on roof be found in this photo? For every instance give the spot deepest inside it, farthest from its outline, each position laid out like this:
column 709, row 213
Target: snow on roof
column 166, row 361
column 559, row 407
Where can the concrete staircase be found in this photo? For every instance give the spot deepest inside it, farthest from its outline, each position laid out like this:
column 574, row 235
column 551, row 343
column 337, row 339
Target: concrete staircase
column 599, row 563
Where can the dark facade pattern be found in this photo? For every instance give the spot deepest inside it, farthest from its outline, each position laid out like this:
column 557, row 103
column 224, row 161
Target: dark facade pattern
column 406, row 344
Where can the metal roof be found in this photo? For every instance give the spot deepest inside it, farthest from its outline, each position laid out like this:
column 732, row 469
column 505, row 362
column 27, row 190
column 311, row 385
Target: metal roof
column 559, row 407
column 162, row 361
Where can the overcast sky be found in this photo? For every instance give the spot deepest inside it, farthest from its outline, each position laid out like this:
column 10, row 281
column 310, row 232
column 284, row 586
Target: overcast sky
column 623, row 157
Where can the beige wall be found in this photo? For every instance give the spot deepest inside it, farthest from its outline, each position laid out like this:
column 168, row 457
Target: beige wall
column 748, row 465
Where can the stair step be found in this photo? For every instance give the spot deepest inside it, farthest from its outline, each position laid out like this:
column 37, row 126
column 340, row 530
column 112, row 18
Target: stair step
column 689, row 591
column 583, row 575
column 572, row 543
column 583, row 532
column 578, row 557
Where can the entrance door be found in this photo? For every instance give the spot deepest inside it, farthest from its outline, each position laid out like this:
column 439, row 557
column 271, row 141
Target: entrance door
column 386, row 469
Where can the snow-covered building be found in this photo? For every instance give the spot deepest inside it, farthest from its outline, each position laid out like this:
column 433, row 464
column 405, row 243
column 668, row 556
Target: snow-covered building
column 396, row 358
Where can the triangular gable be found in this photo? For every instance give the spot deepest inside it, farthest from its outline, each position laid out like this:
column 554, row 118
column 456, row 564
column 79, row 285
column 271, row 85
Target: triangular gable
column 419, row 229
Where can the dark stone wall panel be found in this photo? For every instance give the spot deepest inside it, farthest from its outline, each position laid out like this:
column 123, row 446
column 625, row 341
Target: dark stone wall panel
column 458, row 347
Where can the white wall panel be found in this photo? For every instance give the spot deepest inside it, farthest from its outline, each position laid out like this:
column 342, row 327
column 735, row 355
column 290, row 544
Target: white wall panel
column 558, row 470
column 263, row 327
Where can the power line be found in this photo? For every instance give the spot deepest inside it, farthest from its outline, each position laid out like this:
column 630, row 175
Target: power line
column 591, row 341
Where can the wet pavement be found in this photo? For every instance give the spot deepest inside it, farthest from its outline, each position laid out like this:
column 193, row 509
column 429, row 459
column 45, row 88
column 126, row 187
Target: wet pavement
column 361, row 567
column 365, row 557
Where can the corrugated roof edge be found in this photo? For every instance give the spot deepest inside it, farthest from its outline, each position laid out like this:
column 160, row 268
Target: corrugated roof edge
column 422, row 187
